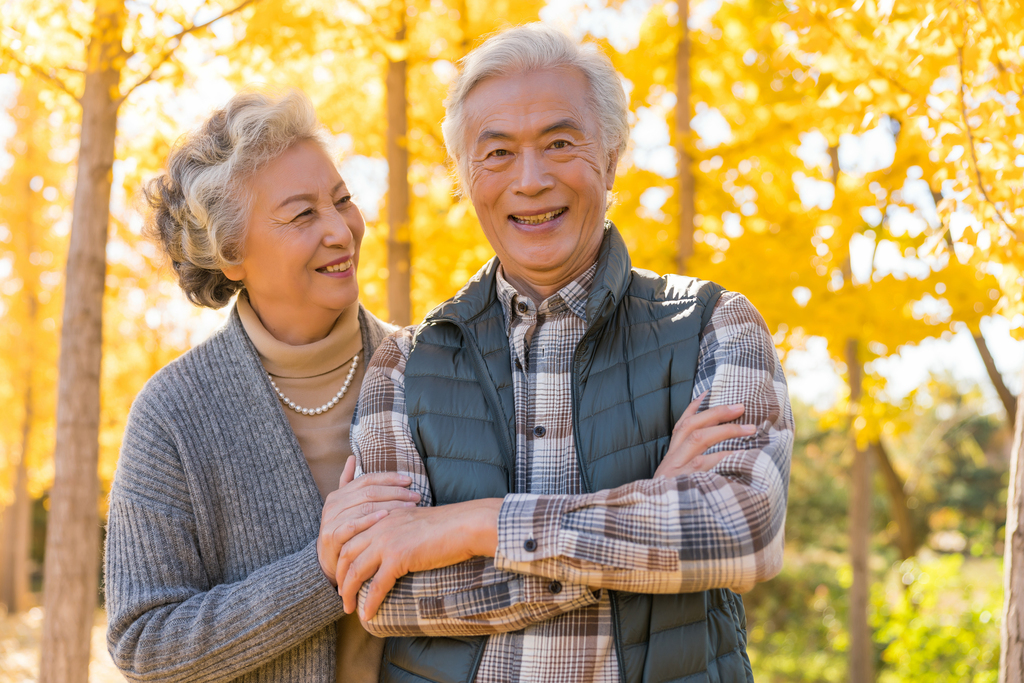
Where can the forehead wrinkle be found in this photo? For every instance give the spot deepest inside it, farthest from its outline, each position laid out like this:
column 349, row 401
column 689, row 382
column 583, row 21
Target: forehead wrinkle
column 562, row 124
column 492, row 135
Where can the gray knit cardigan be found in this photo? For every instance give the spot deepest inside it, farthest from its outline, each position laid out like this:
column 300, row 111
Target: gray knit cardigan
column 211, row 564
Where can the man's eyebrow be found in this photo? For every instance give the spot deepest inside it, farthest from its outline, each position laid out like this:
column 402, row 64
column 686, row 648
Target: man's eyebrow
column 564, row 124
column 492, row 135
column 307, row 197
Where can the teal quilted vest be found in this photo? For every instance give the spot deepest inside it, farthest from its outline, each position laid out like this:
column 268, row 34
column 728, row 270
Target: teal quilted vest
column 633, row 377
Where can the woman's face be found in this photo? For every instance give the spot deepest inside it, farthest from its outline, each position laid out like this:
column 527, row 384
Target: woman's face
column 301, row 245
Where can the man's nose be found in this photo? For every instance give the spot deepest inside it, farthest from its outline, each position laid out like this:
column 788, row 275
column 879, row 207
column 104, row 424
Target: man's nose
column 533, row 175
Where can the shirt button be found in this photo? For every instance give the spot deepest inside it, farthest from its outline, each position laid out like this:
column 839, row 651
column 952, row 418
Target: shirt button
column 555, row 587
column 529, row 545
column 539, row 430
column 522, row 307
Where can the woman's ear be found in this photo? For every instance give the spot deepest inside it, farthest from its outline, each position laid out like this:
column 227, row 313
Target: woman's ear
column 235, row 272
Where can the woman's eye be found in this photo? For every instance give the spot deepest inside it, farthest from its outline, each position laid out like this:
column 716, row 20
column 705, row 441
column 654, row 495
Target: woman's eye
column 347, row 199
column 307, row 212
column 499, row 153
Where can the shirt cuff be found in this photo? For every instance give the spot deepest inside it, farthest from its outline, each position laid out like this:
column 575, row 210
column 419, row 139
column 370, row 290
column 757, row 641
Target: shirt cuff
column 529, row 528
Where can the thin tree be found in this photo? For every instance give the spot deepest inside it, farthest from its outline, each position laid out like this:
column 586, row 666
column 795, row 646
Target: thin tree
column 22, row 212
column 1011, row 653
column 72, row 543
column 399, row 245
column 860, row 654
column 687, row 203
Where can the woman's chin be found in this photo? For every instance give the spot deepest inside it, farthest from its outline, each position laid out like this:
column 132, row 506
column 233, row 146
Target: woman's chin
column 340, row 298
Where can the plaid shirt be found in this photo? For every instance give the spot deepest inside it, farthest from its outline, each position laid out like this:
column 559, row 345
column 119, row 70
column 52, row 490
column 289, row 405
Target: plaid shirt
column 543, row 608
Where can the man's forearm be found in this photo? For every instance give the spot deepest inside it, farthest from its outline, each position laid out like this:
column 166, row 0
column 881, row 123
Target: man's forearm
column 472, row 598
column 422, row 588
column 718, row 529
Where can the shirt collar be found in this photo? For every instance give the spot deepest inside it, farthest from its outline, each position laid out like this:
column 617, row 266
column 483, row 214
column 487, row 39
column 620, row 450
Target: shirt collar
column 573, row 295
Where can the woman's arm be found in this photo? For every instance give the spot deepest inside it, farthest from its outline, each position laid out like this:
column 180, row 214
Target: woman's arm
column 168, row 621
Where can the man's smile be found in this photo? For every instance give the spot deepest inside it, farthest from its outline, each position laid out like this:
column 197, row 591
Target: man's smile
column 537, row 219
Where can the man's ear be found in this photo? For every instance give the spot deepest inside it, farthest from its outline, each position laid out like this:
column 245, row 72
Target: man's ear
column 613, row 163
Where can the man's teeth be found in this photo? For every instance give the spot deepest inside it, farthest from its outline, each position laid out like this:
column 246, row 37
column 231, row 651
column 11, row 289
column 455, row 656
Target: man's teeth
column 536, row 220
column 339, row 268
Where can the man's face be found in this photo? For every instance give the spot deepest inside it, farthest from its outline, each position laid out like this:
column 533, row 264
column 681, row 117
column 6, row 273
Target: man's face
column 538, row 176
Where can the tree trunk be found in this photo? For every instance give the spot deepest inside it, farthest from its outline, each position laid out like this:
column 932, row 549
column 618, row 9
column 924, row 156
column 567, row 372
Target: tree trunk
column 1011, row 654
column 72, row 539
column 1008, row 399
column 898, row 501
column 17, row 524
column 399, row 248
column 17, row 518
column 861, row 654
column 687, row 210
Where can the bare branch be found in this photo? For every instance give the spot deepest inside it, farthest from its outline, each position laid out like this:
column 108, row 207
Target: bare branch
column 970, row 140
column 176, row 42
column 1005, row 395
column 49, row 76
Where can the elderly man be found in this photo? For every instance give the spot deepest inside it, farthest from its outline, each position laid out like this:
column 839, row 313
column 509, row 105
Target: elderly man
column 602, row 453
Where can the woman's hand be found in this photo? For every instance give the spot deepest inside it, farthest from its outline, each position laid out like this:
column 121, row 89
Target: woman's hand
column 415, row 540
column 355, row 507
column 695, row 432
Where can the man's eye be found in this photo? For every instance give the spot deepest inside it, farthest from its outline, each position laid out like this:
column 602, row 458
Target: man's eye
column 499, row 153
column 347, row 199
column 560, row 144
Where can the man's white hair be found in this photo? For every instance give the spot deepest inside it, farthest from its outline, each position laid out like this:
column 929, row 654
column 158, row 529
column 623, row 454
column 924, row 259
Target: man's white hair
column 526, row 49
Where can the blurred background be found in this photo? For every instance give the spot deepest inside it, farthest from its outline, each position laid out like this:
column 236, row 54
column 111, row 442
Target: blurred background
column 855, row 168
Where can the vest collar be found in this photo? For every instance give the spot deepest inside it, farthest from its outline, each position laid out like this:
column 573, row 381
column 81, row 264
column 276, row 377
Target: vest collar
column 610, row 282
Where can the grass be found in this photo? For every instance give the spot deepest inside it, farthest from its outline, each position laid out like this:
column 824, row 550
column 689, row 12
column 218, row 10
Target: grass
column 19, row 648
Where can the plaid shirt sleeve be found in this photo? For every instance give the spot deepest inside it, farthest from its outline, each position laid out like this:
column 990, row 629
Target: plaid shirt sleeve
column 466, row 599
column 717, row 529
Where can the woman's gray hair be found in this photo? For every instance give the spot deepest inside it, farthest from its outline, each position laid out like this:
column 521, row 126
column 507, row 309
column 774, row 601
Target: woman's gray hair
column 526, row 49
column 201, row 205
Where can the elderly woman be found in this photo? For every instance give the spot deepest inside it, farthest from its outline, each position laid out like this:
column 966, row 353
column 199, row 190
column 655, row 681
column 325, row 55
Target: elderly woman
column 221, row 550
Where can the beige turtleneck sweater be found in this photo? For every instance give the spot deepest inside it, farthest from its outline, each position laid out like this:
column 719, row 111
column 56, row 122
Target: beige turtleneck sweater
column 310, row 375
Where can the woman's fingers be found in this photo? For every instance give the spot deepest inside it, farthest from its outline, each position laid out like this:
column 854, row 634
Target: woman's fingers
column 357, row 494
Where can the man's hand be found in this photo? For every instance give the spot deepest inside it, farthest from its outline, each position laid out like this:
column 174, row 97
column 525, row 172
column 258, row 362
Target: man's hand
column 696, row 432
column 355, row 507
column 412, row 540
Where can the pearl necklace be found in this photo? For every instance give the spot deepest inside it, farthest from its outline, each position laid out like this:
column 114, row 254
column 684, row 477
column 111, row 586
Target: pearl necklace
column 325, row 407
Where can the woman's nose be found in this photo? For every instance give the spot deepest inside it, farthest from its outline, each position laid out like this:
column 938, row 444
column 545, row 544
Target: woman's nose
column 337, row 232
column 533, row 176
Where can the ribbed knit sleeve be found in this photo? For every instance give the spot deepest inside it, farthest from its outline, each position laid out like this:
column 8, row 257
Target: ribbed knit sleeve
column 168, row 619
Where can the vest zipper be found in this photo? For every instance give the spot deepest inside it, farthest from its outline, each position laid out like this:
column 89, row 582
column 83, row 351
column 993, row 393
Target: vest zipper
column 491, row 393
column 576, row 378
column 587, row 484
column 617, row 635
